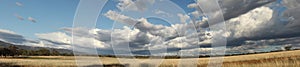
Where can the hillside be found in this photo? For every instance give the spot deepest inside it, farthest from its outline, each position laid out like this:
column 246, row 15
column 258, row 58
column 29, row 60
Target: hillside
column 4, row 44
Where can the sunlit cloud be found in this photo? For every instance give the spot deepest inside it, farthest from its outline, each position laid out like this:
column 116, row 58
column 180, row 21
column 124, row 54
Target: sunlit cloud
column 135, row 5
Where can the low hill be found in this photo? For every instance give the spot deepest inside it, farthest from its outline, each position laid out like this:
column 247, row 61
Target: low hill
column 4, row 44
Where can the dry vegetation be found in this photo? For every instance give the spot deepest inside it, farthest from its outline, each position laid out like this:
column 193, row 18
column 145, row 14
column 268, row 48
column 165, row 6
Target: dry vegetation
column 275, row 59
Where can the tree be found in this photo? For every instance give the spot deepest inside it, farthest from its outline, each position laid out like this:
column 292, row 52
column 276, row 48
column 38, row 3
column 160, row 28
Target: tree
column 31, row 52
column 288, row 47
column 23, row 52
column 4, row 52
column 43, row 52
column 13, row 50
column 55, row 52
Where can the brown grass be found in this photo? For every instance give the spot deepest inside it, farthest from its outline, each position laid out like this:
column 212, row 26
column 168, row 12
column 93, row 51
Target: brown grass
column 274, row 59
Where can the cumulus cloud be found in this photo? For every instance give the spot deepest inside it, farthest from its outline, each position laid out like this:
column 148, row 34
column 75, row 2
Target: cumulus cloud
column 113, row 15
column 230, row 8
column 144, row 35
column 252, row 24
column 63, row 40
column 195, row 51
column 46, row 43
column 136, row 39
column 143, row 25
column 37, row 44
column 31, row 19
column 261, row 29
column 120, row 39
column 135, row 5
column 83, row 41
column 261, row 21
column 183, row 18
column 106, row 39
column 55, row 37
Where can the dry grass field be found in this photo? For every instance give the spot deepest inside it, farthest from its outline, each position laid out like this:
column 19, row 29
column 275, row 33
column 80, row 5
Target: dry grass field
column 274, row 59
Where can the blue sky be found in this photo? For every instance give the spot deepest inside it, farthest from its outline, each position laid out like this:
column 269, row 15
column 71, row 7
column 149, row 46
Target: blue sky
column 51, row 15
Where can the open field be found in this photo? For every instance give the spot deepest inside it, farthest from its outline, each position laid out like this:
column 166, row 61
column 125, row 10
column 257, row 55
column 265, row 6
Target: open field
column 274, row 59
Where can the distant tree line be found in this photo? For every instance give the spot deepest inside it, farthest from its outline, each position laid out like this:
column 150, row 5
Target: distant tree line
column 15, row 51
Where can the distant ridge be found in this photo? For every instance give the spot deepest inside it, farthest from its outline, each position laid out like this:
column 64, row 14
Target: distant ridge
column 5, row 44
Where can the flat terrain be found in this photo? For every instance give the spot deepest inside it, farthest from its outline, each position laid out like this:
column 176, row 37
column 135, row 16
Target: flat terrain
column 274, row 59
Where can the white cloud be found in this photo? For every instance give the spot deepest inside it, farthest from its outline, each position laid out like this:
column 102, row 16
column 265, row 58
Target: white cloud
column 196, row 14
column 39, row 44
column 183, row 18
column 263, row 20
column 180, row 42
column 252, row 24
column 31, row 19
column 137, row 5
column 83, row 42
column 80, row 32
column 157, row 36
column 19, row 4
column 162, row 13
column 8, row 31
column 113, row 15
column 43, row 43
column 142, row 24
column 56, row 37
column 195, row 51
column 60, row 40
column 230, row 8
column 193, row 5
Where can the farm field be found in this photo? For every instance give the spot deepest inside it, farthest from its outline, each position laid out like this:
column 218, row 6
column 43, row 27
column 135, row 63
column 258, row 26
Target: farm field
column 274, row 59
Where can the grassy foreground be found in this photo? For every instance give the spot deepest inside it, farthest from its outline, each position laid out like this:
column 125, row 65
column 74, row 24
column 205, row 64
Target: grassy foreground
column 274, row 59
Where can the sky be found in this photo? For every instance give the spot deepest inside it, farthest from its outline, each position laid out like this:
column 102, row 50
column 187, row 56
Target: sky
column 52, row 15
column 177, row 26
